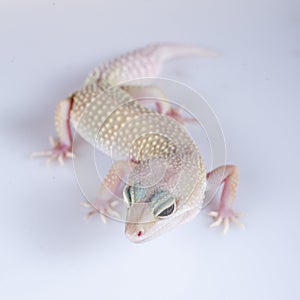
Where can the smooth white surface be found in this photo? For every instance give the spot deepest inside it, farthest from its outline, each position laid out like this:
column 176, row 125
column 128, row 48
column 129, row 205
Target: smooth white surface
column 48, row 252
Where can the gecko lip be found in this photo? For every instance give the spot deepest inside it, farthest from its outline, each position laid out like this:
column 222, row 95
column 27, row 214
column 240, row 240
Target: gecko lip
column 138, row 237
column 139, row 234
column 132, row 230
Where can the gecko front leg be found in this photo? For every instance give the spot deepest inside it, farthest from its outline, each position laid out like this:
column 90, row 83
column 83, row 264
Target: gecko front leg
column 109, row 192
column 61, row 147
column 229, row 176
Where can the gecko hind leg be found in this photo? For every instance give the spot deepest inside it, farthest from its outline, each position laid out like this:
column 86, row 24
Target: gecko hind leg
column 150, row 94
column 61, row 147
column 225, row 214
column 109, row 195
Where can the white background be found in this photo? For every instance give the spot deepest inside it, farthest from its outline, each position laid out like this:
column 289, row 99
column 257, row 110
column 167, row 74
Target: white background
column 47, row 251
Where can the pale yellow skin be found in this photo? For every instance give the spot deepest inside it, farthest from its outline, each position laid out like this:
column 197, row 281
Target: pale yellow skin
column 151, row 147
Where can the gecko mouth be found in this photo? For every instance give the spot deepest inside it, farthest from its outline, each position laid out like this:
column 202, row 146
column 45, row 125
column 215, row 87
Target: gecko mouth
column 138, row 234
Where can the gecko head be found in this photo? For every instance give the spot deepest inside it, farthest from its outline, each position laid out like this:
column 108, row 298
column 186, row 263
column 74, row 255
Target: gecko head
column 161, row 194
column 150, row 213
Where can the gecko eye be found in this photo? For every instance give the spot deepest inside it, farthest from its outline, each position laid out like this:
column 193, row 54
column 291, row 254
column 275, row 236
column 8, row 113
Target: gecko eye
column 167, row 212
column 164, row 204
column 132, row 194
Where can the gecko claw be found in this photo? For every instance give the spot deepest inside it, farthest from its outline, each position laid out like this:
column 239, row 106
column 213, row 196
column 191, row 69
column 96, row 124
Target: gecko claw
column 59, row 152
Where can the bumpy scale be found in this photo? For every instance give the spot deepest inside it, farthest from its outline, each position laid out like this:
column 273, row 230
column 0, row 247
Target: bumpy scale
column 166, row 177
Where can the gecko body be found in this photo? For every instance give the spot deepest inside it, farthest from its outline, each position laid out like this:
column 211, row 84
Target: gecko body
column 161, row 166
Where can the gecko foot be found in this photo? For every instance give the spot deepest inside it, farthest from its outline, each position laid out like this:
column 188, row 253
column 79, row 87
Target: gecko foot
column 104, row 209
column 177, row 114
column 225, row 216
column 58, row 152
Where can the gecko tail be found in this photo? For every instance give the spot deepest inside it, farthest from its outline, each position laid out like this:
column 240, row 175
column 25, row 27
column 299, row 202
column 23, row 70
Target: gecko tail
column 145, row 62
column 171, row 51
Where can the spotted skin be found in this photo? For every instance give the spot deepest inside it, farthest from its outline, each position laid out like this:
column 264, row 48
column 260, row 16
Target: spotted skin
column 162, row 165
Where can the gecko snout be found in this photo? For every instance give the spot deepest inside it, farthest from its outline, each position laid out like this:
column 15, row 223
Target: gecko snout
column 135, row 235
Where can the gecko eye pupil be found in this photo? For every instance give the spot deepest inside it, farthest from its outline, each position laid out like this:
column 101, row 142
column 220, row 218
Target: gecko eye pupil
column 168, row 211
